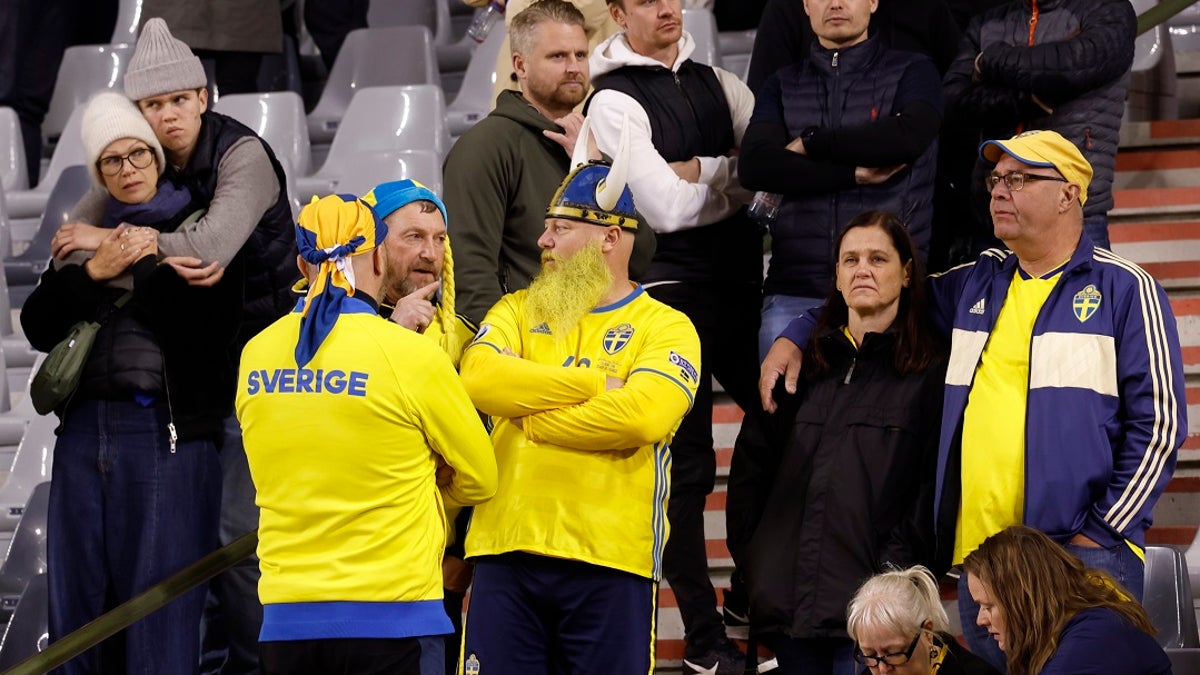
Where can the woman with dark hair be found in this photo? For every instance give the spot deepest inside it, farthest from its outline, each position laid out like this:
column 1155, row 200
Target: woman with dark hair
column 1053, row 616
column 851, row 489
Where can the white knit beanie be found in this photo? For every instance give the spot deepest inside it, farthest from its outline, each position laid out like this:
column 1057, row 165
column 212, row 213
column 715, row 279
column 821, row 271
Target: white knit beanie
column 108, row 117
column 161, row 64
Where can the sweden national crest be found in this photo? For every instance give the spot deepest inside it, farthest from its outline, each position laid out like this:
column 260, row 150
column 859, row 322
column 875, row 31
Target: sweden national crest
column 471, row 667
column 1086, row 303
column 617, row 337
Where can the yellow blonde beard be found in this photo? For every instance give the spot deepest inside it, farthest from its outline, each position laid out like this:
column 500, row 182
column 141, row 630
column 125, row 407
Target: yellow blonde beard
column 561, row 295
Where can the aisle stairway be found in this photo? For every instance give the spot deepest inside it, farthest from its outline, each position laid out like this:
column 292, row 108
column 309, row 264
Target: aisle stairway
column 1156, row 223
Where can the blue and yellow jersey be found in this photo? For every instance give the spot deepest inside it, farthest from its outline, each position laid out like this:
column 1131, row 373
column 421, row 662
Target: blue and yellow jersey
column 343, row 453
column 584, row 470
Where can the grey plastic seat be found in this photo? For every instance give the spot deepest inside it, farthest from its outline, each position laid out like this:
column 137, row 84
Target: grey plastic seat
column 279, row 118
column 85, row 70
column 474, row 100
column 14, row 172
column 25, row 269
column 129, row 18
column 368, row 169
column 702, row 26
column 28, row 631
column 1167, row 597
column 372, row 57
column 32, row 463
column 26, row 556
column 1184, row 661
column 382, row 119
column 24, row 205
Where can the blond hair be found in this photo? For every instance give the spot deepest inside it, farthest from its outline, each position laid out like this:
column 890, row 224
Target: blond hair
column 520, row 29
column 899, row 601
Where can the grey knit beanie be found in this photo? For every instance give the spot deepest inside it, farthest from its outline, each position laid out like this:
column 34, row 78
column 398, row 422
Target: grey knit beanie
column 108, row 117
column 161, row 64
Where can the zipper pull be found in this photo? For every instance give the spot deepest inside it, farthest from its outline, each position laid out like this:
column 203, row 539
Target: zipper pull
column 835, row 57
column 175, row 436
column 851, row 371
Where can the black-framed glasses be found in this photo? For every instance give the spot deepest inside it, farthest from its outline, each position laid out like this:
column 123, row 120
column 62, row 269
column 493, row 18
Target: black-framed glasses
column 896, row 659
column 1015, row 180
column 139, row 159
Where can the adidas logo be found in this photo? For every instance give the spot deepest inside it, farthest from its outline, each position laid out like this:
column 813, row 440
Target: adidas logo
column 978, row 307
column 542, row 328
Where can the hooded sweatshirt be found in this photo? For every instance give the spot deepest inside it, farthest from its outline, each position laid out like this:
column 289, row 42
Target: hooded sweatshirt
column 499, row 179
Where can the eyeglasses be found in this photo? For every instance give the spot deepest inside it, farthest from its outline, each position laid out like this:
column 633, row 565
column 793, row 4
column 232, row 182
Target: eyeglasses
column 1015, row 180
column 139, row 159
column 896, row 659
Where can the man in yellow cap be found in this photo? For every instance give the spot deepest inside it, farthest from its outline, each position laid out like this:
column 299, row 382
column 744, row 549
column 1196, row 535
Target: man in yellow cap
column 1064, row 403
column 346, row 417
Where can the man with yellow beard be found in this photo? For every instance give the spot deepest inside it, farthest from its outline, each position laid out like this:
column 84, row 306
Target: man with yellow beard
column 586, row 378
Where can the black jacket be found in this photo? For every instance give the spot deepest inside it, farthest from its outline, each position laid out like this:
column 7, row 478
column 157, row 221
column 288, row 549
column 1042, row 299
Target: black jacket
column 852, row 492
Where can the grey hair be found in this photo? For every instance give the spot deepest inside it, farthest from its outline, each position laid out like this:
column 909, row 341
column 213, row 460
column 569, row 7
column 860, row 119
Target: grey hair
column 900, row 601
column 520, row 30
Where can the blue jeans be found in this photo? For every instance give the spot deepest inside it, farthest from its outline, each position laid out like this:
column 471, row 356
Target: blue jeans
column 816, row 656
column 1119, row 561
column 777, row 312
column 433, row 654
column 126, row 513
column 233, row 614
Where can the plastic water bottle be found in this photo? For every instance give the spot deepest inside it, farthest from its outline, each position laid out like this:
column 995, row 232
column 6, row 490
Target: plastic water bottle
column 484, row 20
column 764, row 210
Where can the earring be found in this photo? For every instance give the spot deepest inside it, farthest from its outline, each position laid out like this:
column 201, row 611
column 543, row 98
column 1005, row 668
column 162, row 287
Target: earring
column 933, row 652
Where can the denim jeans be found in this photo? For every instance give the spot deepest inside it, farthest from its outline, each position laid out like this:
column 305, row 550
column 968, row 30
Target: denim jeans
column 126, row 513
column 1120, row 561
column 816, row 656
column 777, row 312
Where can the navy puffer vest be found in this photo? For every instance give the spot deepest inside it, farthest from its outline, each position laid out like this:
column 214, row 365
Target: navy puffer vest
column 689, row 117
column 833, row 89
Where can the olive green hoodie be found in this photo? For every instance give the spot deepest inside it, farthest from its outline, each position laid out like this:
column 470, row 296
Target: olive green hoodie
column 499, row 179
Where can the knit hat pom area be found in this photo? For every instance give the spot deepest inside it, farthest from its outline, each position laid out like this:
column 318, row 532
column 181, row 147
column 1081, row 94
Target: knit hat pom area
column 161, row 64
column 109, row 117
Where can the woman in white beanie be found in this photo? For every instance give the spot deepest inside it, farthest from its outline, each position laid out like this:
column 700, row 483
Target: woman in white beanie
column 135, row 488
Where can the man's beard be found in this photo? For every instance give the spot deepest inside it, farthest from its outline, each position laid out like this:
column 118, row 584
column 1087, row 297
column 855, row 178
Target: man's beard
column 561, row 295
column 558, row 95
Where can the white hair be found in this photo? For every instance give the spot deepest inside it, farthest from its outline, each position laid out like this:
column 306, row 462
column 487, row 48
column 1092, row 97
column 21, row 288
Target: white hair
column 900, row 601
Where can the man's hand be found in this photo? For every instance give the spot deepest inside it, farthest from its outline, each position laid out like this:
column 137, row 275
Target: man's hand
column 784, row 359
column 115, row 253
column 76, row 237
column 444, row 474
column 571, row 125
column 194, row 271
column 414, row 311
column 1084, row 541
column 456, row 574
column 611, row 382
column 797, row 146
column 871, row 175
column 688, row 170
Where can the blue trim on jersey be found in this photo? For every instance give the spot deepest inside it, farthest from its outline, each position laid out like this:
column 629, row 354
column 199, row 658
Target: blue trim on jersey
column 669, row 377
column 326, row 620
column 637, row 291
column 662, row 487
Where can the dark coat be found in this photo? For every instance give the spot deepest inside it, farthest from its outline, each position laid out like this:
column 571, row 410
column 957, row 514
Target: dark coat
column 852, row 491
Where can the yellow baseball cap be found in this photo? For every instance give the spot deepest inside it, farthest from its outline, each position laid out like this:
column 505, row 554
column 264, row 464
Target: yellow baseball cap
column 1044, row 148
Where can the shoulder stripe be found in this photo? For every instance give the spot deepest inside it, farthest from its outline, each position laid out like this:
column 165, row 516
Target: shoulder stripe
column 1161, row 446
column 997, row 253
column 688, row 392
column 486, row 344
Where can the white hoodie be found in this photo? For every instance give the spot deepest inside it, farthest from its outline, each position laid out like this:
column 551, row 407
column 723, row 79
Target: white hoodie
column 668, row 202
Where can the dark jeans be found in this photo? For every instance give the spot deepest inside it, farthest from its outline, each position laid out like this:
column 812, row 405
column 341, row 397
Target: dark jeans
column 360, row 656
column 726, row 318
column 816, row 656
column 1119, row 561
column 233, row 614
column 125, row 513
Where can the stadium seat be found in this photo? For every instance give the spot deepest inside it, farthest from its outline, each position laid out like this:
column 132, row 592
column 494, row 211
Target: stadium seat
column 1153, row 83
column 382, row 119
column 32, row 463
column 736, row 48
column 702, row 26
column 25, row 269
column 129, row 17
column 14, row 172
column 28, row 631
column 366, row 170
column 372, row 57
column 278, row 117
column 474, row 100
column 28, row 205
column 1184, row 661
column 85, row 70
column 1167, row 597
column 26, row 555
